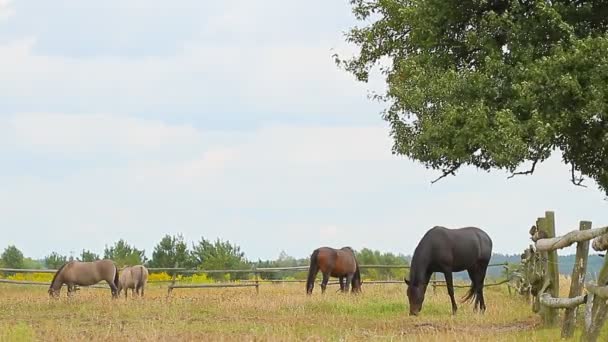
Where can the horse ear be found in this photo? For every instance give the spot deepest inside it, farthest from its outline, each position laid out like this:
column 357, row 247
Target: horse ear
column 407, row 281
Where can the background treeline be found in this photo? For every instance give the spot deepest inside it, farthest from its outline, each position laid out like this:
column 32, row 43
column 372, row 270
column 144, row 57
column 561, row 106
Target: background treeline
column 173, row 251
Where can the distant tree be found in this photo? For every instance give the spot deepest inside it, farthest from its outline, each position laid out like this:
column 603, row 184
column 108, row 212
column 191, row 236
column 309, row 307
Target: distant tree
column 284, row 260
column 55, row 260
column 32, row 264
column 124, row 254
column 88, row 256
column 374, row 257
column 171, row 250
column 12, row 257
column 218, row 255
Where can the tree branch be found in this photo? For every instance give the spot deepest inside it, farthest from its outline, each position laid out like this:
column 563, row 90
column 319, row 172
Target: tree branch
column 448, row 172
column 529, row 172
column 578, row 181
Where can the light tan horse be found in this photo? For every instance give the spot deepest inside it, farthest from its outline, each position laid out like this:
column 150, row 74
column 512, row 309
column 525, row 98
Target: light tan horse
column 84, row 274
column 134, row 278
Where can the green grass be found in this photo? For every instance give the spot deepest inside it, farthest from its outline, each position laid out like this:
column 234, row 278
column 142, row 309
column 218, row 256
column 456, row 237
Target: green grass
column 278, row 312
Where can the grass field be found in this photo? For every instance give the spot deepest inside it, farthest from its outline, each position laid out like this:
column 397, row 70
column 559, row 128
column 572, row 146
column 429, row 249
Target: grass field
column 279, row 312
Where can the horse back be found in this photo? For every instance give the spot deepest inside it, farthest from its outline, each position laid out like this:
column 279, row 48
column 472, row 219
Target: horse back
column 337, row 261
column 133, row 276
column 89, row 273
column 459, row 248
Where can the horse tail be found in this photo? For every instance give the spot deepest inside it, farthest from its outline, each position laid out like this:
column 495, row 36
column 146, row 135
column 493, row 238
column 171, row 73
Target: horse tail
column 312, row 270
column 116, row 276
column 142, row 275
column 471, row 295
column 358, row 274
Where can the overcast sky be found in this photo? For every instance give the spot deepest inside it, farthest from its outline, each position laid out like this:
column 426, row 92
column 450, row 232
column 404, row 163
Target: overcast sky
column 133, row 119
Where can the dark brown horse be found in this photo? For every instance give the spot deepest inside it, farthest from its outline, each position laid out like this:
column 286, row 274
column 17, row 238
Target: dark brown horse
column 84, row 274
column 446, row 251
column 340, row 263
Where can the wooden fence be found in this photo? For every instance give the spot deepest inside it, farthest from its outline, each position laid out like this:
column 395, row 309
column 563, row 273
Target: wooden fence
column 255, row 283
column 538, row 277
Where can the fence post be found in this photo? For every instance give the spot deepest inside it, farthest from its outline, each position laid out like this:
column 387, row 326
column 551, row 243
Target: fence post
column 599, row 309
column 170, row 289
column 547, row 314
column 257, row 279
column 506, row 267
column 577, row 281
column 552, row 267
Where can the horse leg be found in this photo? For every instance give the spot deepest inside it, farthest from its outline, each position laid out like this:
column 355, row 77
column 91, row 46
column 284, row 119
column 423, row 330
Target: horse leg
column 324, row 282
column 481, row 278
column 450, row 285
column 70, row 289
column 474, row 275
column 341, row 279
column 349, row 280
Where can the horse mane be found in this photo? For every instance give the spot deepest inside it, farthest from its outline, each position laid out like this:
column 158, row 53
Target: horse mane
column 57, row 273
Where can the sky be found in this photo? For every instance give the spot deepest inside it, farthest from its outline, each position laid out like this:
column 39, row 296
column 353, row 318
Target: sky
column 229, row 119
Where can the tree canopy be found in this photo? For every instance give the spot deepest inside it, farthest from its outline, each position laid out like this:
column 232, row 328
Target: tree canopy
column 12, row 257
column 55, row 260
column 495, row 84
column 87, row 256
column 171, row 251
column 124, row 254
column 219, row 255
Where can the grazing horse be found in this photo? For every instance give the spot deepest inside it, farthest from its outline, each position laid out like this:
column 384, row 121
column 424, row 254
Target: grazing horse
column 333, row 262
column 446, row 251
column 134, row 278
column 84, row 274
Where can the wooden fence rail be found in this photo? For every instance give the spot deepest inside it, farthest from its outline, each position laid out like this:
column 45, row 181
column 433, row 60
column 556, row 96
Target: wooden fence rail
column 174, row 282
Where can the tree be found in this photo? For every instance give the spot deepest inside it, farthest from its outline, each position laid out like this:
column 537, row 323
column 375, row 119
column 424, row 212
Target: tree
column 87, row 256
column 124, row 255
column 171, row 250
column 374, row 257
column 492, row 84
column 55, row 260
column 12, row 257
column 218, row 255
column 284, row 260
column 32, row 264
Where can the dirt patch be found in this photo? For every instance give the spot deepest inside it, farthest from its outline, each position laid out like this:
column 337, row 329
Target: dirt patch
column 429, row 327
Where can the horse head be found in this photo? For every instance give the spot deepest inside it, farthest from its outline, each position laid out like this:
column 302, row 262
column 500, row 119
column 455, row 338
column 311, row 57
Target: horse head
column 53, row 293
column 415, row 295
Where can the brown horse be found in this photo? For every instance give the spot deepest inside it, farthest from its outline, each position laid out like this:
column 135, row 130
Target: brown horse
column 134, row 278
column 340, row 263
column 84, row 274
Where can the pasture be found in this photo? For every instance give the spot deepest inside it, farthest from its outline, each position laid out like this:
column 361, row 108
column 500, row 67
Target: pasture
column 278, row 312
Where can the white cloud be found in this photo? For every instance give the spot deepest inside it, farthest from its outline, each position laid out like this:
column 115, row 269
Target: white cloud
column 339, row 183
column 5, row 9
column 286, row 79
column 69, row 133
column 84, row 180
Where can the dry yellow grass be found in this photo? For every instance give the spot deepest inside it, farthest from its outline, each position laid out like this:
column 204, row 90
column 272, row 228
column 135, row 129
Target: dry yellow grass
column 278, row 312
